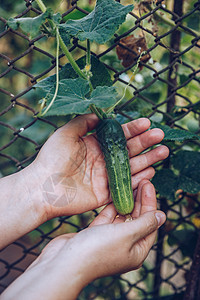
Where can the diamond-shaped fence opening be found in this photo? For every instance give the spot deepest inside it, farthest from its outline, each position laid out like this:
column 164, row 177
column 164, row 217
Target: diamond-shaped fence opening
column 165, row 89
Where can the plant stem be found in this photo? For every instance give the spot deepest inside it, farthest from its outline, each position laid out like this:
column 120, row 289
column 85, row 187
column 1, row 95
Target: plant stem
column 88, row 65
column 71, row 59
column 57, row 75
column 46, row 29
column 62, row 44
column 73, row 63
column 41, row 5
column 98, row 111
column 94, row 110
column 88, row 55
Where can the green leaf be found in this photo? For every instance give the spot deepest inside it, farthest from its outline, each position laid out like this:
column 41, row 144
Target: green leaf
column 29, row 25
column 187, row 163
column 175, row 134
column 188, row 185
column 187, row 178
column 196, row 107
column 73, row 97
column 186, row 239
column 57, row 18
column 100, row 75
column 165, row 182
column 98, row 26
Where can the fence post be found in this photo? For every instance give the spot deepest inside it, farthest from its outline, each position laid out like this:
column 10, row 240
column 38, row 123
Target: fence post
column 193, row 285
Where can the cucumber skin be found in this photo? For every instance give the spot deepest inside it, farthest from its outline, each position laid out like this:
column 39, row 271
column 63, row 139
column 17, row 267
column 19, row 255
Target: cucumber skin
column 112, row 141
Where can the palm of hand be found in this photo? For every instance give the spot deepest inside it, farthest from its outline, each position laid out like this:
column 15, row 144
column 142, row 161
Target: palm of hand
column 79, row 161
column 109, row 241
column 79, row 165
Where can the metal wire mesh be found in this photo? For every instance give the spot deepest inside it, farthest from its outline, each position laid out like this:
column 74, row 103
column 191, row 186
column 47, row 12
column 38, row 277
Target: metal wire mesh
column 162, row 89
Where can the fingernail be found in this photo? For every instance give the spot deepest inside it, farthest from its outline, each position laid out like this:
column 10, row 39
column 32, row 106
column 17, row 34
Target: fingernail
column 160, row 218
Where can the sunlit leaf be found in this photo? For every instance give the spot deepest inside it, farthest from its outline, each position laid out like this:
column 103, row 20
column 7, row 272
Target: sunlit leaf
column 98, row 26
column 73, row 97
column 32, row 26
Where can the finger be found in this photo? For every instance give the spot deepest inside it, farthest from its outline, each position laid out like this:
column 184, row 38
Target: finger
column 79, row 126
column 138, row 199
column 136, row 127
column 148, row 198
column 143, row 226
column 148, row 203
column 147, row 159
column 143, row 141
column 144, row 174
column 106, row 216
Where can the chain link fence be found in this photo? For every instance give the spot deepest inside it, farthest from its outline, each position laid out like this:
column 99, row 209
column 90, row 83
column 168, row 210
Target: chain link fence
column 165, row 89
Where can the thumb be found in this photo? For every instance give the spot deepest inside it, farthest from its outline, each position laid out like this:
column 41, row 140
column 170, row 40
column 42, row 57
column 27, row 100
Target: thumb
column 144, row 225
column 80, row 125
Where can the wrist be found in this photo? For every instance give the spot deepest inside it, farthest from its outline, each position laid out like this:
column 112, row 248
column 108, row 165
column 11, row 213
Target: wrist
column 55, row 274
column 21, row 205
column 31, row 184
column 41, row 182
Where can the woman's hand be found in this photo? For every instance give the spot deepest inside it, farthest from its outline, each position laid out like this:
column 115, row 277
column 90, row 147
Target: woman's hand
column 108, row 246
column 69, row 175
column 70, row 168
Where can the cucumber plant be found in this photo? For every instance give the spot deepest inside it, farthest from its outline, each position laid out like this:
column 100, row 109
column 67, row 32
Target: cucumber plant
column 85, row 85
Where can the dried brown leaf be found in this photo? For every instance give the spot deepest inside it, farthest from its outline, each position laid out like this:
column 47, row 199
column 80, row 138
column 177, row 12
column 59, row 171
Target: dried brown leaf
column 129, row 49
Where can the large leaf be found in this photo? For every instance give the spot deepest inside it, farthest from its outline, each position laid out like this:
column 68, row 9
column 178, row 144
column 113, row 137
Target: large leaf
column 100, row 75
column 186, row 177
column 165, row 182
column 187, row 163
column 175, row 134
column 73, row 97
column 32, row 26
column 98, row 26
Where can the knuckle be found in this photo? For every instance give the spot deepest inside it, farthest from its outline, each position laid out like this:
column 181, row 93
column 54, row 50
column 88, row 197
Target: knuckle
column 150, row 222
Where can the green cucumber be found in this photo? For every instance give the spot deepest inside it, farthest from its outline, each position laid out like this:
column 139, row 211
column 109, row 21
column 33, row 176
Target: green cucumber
column 112, row 141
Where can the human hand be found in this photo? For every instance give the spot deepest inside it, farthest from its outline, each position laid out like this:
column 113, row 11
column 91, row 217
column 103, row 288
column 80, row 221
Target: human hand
column 76, row 162
column 69, row 175
column 108, row 246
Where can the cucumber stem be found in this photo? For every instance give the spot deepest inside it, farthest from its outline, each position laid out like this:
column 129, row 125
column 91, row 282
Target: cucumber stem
column 98, row 111
column 128, row 218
